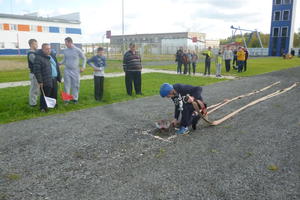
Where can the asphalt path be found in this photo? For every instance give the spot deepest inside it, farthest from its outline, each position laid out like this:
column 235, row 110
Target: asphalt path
column 108, row 152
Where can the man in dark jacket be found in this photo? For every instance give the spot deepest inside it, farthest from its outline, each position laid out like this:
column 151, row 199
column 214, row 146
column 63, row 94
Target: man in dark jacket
column 179, row 57
column 47, row 73
column 133, row 70
column 183, row 96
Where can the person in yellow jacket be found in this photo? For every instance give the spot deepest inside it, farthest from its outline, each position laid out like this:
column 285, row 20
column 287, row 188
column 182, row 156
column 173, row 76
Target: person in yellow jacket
column 208, row 56
column 241, row 56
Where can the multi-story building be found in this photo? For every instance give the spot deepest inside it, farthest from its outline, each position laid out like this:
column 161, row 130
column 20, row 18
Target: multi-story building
column 162, row 43
column 282, row 27
column 16, row 30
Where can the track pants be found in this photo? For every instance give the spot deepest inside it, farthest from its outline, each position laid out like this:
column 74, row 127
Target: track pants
column 72, row 82
column 34, row 90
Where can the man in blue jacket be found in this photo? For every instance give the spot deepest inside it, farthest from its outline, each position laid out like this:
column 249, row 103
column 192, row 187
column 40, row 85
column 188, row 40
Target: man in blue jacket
column 182, row 96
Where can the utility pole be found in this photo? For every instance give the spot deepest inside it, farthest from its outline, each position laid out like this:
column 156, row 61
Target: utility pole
column 123, row 38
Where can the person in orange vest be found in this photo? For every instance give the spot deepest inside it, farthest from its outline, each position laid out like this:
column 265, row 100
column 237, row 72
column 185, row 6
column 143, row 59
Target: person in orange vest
column 241, row 56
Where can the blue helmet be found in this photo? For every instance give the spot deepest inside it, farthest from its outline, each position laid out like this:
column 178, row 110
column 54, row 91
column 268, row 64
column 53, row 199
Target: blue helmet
column 165, row 89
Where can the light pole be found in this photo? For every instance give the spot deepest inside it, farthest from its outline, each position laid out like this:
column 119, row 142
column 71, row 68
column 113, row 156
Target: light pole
column 123, row 38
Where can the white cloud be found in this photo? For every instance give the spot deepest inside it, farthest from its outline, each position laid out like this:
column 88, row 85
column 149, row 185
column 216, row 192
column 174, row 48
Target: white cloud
column 213, row 17
column 24, row 1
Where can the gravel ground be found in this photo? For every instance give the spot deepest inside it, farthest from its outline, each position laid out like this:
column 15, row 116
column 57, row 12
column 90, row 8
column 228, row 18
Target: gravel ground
column 107, row 153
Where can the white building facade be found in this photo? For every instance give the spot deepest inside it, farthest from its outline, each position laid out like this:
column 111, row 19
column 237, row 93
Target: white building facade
column 16, row 30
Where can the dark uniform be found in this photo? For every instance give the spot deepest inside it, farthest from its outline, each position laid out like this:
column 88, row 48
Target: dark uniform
column 185, row 108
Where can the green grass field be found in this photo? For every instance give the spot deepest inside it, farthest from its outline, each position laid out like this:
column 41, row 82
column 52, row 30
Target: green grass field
column 14, row 101
column 23, row 74
column 255, row 66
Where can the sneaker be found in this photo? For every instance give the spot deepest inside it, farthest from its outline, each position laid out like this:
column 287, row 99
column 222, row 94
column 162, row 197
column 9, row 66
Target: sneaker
column 183, row 130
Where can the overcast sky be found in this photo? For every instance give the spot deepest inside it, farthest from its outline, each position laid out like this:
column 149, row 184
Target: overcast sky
column 213, row 17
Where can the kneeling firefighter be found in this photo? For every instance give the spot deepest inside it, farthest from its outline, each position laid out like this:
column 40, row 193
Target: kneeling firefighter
column 183, row 96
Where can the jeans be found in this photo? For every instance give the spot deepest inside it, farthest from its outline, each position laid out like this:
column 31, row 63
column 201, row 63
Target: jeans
column 98, row 86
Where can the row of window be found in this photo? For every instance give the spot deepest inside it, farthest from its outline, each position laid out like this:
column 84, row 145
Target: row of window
column 280, row 32
column 34, row 28
column 281, row 15
column 14, row 44
column 278, row 2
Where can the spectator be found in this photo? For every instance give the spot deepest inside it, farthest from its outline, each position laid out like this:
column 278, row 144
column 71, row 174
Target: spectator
column 208, row 56
column 179, row 55
column 183, row 96
column 293, row 52
column 189, row 61
column 47, row 73
column 194, row 61
column 227, row 56
column 132, row 66
column 246, row 58
column 240, row 59
column 72, row 56
column 219, row 60
column 98, row 62
column 234, row 62
column 185, row 61
column 34, row 91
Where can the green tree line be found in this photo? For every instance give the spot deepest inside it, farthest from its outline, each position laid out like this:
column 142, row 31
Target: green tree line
column 254, row 42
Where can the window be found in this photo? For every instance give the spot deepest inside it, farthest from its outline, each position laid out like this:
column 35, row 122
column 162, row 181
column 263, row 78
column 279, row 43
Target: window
column 276, row 15
column 284, row 31
column 15, row 45
column 277, row 2
column 275, row 32
column 33, row 28
column 13, row 27
column 286, row 1
column 2, row 46
column 286, row 15
column 62, row 30
column 46, row 29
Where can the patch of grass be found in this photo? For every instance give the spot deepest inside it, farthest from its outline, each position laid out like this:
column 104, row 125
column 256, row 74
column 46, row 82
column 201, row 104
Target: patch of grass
column 14, row 101
column 13, row 176
column 160, row 153
column 255, row 66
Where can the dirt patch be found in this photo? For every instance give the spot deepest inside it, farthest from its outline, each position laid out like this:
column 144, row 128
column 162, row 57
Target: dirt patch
column 7, row 65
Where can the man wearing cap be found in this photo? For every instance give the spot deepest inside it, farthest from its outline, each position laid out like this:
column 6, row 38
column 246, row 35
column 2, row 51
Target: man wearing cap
column 182, row 96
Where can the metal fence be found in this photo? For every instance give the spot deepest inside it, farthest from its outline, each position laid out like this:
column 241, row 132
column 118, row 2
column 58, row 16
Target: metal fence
column 157, row 50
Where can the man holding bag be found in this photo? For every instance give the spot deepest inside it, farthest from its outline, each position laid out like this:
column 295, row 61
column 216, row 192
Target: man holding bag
column 47, row 73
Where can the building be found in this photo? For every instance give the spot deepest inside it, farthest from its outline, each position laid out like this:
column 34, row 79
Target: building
column 16, row 30
column 161, row 43
column 282, row 27
column 215, row 44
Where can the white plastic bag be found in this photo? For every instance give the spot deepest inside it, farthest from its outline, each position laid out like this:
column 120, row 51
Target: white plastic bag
column 50, row 102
